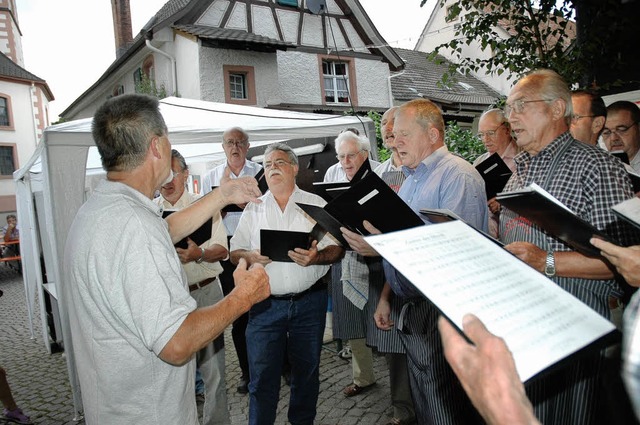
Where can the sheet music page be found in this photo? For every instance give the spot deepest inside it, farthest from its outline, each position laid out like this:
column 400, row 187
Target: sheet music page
column 629, row 209
column 462, row 272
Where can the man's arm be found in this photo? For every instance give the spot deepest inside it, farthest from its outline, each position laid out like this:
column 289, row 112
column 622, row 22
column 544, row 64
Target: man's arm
column 568, row 263
column 231, row 191
column 205, row 324
column 250, row 256
column 357, row 242
column 487, row 372
column 626, row 260
column 193, row 252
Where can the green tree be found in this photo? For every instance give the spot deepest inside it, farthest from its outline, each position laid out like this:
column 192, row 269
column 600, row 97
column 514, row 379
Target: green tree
column 600, row 54
column 463, row 142
column 148, row 86
column 383, row 153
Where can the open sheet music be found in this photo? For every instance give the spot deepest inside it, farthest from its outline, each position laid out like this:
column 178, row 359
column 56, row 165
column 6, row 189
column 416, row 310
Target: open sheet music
column 462, row 272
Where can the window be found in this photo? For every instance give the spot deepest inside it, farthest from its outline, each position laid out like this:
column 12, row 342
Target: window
column 336, row 81
column 137, row 79
column 7, row 160
column 293, row 3
column 118, row 90
column 5, row 112
column 239, row 84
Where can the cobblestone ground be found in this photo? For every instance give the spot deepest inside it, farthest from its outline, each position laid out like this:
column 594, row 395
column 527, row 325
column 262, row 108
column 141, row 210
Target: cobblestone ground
column 40, row 385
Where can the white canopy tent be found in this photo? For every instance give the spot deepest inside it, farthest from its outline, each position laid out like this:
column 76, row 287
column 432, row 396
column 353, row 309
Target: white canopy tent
column 51, row 187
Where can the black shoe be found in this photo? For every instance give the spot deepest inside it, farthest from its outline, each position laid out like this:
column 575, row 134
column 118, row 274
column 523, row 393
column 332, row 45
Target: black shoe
column 243, row 386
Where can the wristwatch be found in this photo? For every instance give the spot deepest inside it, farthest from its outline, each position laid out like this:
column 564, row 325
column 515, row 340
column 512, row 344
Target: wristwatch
column 550, row 266
column 199, row 260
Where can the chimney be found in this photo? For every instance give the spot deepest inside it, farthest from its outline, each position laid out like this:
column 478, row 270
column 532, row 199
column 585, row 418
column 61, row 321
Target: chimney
column 121, row 25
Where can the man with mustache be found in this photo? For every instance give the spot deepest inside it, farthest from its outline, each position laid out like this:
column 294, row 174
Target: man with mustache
column 621, row 131
column 291, row 321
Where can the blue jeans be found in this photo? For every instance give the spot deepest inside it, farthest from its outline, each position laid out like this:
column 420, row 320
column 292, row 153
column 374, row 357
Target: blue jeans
column 295, row 328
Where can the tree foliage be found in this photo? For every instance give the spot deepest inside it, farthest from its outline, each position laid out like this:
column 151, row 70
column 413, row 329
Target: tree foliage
column 542, row 34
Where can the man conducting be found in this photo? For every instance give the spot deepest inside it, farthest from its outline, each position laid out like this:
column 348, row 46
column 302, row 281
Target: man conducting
column 235, row 143
column 135, row 328
column 202, row 266
column 291, row 321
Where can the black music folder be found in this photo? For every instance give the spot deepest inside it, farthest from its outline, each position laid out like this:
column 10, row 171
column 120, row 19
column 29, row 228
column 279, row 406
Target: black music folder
column 552, row 216
column 330, row 190
column 495, row 173
column 199, row 236
column 276, row 244
column 325, row 221
column 368, row 199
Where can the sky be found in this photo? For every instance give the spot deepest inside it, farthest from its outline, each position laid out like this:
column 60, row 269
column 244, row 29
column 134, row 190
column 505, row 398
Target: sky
column 69, row 43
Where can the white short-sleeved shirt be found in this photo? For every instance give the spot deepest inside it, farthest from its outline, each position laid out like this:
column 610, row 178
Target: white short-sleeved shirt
column 127, row 296
column 284, row 278
column 213, row 177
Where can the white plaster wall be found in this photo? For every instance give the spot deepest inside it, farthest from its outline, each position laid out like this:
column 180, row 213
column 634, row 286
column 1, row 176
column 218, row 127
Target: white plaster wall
column 312, row 30
column 334, row 35
column 442, row 31
column 356, row 42
column 263, row 22
column 238, row 18
column 372, row 83
column 188, row 66
column 288, row 24
column 213, row 15
column 212, row 76
column 299, row 76
column 23, row 134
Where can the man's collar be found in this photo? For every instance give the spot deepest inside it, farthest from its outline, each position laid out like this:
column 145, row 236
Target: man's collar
column 429, row 162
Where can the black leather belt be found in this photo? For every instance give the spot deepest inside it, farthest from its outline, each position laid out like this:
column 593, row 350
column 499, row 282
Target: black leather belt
column 318, row 286
column 200, row 284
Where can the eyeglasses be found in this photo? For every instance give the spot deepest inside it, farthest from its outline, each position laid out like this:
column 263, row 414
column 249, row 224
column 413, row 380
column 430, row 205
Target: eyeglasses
column 489, row 133
column 575, row 117
column 279, row 162
column 350, row 156
column 237, row 143
column 517, row 106
column 175, row 174
column 619, row 130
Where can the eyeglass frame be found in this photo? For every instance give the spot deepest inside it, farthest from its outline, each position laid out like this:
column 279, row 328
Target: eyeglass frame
column 267, row 165
column 517, row 106
column 490, row 133
column 619, row 130
column 236, row 143
column 351, row 156
column 577, row 117
column 174, row 174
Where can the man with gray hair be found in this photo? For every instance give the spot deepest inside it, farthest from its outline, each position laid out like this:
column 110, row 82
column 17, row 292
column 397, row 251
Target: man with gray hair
column 589, row 182
column 495, row 133
column 352, row 151
column 291, row 321
column 235, row 143
column 135, row 328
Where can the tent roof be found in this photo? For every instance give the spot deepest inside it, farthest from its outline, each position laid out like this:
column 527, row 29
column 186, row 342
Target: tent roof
column 194, row 121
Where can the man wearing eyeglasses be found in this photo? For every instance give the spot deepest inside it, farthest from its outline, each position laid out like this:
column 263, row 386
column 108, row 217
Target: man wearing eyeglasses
column 495, row 133
column 589, row 182
column 352, row 151
column 589, row 114
column 202, row 267
column 621, row 131
column 291, row 321
column 235, row 142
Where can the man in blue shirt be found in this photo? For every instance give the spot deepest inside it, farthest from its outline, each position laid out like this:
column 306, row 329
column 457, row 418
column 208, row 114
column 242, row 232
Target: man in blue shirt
column 435, row 179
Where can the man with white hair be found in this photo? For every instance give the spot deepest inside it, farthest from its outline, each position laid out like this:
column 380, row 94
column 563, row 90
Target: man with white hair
column 352, row 151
